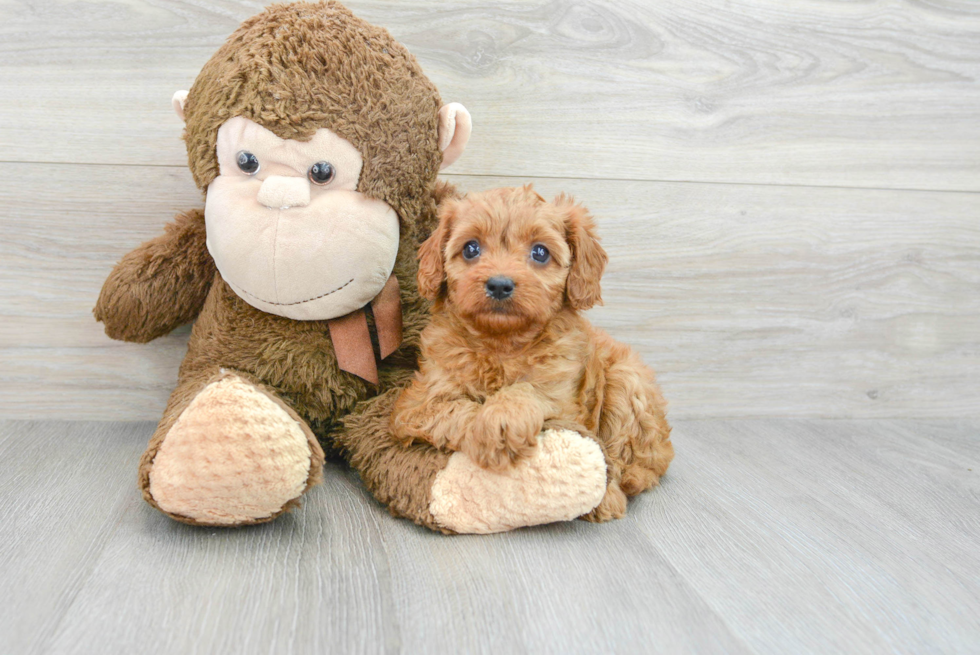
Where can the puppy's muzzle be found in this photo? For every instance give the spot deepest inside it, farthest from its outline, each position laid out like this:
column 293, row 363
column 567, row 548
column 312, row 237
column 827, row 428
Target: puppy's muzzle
column 500, row 287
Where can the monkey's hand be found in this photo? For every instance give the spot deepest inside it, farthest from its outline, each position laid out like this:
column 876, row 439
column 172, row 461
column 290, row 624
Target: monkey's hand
column 160, row 285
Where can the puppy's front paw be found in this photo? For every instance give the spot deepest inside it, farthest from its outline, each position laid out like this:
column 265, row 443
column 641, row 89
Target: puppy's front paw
column 612, row 506
column 501, row 436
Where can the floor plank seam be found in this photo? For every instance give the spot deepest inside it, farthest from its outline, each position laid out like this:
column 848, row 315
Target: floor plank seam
column 715, row 611
column 48, row 635
column 971, row 192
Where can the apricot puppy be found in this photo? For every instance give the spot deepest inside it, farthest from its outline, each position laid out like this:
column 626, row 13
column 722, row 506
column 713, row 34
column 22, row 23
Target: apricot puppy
column 508, row 354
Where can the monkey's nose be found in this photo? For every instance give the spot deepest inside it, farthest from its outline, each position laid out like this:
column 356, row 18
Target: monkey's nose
column 500, row 287
column 281, row 192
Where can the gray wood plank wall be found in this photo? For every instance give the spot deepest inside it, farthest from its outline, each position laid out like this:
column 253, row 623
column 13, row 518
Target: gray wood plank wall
column 789, row 191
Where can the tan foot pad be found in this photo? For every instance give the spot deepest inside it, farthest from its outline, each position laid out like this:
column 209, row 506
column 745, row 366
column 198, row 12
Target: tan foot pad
column 564, row 479
column 234, row 456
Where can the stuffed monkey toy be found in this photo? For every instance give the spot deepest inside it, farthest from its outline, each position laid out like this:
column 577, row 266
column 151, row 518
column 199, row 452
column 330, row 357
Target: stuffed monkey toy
column 316, row 140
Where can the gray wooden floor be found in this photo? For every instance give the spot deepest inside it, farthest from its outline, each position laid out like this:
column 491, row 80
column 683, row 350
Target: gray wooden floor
column 789, row 191
column 768, row 536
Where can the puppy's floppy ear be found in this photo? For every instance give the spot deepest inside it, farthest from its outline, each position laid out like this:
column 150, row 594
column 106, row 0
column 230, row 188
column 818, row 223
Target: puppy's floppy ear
column 588, row 258
column 431, row 273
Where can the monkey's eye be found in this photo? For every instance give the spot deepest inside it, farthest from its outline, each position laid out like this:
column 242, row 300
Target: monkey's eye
column 322, row 172
column 248, row 163
column 471, row 250
column 540, row 254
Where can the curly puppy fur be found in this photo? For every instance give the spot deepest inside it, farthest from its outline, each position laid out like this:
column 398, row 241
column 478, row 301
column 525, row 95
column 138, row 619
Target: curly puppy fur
column 495, row 372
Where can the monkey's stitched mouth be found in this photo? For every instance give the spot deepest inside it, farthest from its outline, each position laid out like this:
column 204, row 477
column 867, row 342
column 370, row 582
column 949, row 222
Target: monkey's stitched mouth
column 298, row 302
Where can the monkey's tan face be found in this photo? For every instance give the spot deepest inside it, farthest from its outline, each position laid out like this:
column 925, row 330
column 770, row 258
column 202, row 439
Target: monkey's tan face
column 287, row 228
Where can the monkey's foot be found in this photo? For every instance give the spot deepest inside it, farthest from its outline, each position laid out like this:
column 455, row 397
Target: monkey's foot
column 564, row 479
column 236, row 455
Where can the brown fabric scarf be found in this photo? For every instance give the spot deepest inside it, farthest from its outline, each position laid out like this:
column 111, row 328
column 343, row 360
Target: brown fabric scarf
column 352, row 340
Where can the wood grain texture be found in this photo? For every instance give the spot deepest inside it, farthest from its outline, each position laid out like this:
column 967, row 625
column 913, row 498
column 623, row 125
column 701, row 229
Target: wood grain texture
column 748, row 300
column 866, row 94
column 63, row 489
column 830, row 536
column 767, row 536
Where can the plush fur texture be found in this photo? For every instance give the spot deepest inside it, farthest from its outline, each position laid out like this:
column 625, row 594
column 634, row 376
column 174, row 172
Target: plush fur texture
column 494, row 372
column 235, row 455
column 298, row 67
column 294, row 69
column 565, row 477
column 251, row 377
column 159, row 286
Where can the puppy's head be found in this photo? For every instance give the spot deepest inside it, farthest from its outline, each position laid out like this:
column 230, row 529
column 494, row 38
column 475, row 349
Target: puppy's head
column 507, row 261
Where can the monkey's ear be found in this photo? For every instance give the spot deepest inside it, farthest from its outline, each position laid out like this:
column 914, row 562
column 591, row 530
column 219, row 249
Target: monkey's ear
column 588, row 257
column 455, row 126
column 178, row 101
column 431, row 270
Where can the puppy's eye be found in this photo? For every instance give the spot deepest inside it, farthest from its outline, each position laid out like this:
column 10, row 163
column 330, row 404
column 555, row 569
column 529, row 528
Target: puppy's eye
column 322, row 172
column 540, row 254
column 247, row 162
column 471, row 250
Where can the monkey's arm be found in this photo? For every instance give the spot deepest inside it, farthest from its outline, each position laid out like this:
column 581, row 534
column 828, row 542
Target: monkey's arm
column 160, row 285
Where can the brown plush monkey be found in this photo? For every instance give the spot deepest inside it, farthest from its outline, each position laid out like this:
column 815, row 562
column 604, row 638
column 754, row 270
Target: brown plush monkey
column 316, row 139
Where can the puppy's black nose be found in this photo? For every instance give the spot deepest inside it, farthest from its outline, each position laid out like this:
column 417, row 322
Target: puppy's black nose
column 500, row 287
